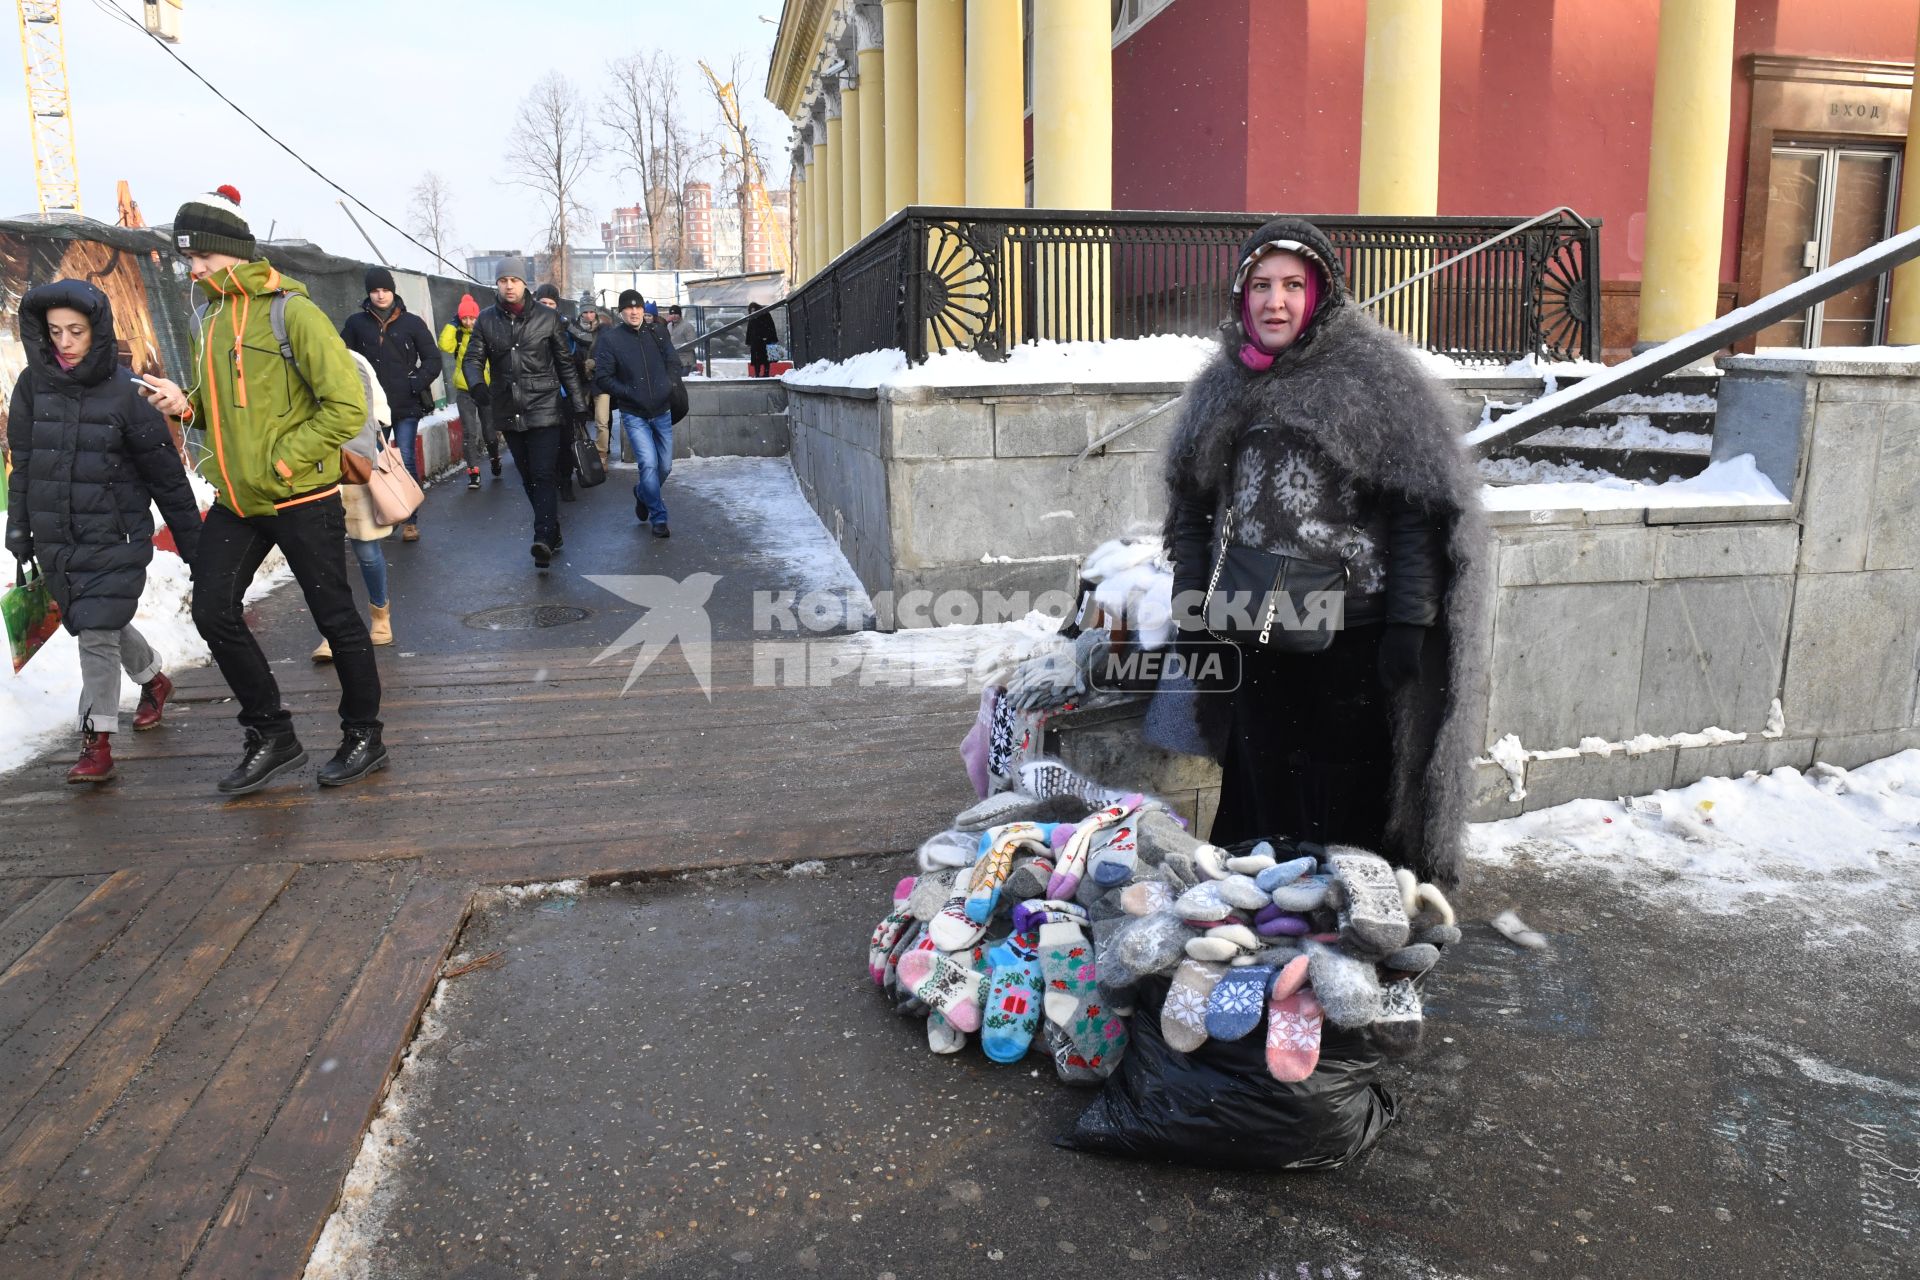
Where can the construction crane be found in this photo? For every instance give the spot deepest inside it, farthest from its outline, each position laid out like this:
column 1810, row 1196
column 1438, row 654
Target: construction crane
column 43, row 45
column 753, row 179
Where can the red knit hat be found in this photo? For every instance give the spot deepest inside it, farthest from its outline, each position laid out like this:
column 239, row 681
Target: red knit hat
column 468, row 308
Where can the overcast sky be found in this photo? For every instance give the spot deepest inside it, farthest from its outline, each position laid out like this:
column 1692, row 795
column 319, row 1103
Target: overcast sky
column 374, row 93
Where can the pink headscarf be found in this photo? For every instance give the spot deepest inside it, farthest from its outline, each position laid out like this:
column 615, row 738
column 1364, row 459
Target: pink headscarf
column 1253, row 353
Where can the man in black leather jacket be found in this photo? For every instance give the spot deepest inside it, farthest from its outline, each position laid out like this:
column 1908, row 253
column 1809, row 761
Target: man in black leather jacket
column 523, row 348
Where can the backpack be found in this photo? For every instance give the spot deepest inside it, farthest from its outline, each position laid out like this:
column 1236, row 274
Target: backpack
column 356, row 455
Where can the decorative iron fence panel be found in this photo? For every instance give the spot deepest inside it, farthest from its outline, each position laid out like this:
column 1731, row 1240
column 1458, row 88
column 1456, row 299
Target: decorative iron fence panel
column 984, row 280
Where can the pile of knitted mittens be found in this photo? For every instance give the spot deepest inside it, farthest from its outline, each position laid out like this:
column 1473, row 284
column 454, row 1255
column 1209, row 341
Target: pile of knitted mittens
column 1289, row 932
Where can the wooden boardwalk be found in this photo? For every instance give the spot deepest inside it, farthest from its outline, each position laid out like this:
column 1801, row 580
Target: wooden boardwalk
column 202, row 1001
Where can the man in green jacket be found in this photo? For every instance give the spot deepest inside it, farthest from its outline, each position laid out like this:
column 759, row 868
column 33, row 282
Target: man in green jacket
column 272, row 430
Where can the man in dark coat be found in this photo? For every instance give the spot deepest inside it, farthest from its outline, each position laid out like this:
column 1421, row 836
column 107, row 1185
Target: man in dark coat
column 522, row 348
column 405, row 359
column 1318, row 430
column 634, row 363
column 90, row 457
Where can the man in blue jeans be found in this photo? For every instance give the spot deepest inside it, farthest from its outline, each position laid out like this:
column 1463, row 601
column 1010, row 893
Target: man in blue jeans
column 634, row 364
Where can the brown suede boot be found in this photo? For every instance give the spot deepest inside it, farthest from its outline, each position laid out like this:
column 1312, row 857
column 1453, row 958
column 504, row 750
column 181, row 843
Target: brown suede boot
column 96, row 759
column 382, row 629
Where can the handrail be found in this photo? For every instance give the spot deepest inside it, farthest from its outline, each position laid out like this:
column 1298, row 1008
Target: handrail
column 1479, row 248
column 1634, row 374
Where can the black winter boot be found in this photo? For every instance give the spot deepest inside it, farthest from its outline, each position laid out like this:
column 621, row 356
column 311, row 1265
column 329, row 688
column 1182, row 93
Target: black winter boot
column 360, row 754
column 267, row 757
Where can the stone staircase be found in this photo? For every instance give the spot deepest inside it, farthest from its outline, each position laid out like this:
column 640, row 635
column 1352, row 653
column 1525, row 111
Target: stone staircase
column 1663, row 433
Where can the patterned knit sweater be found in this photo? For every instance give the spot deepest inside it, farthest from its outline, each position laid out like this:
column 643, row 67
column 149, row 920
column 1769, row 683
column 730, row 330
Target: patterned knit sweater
column 1289, row 498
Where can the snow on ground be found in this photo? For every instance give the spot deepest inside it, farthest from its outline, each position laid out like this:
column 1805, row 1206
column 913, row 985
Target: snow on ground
column 761, row 497
column 1517, row 471
column 1840, row 845
column 1729, row 482
column 39, row 703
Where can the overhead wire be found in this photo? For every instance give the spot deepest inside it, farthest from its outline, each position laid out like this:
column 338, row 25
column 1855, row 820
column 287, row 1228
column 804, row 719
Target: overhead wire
column 116, row 11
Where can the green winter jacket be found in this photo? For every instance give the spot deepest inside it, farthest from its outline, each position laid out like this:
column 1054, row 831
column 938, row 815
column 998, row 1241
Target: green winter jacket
column 273, row 432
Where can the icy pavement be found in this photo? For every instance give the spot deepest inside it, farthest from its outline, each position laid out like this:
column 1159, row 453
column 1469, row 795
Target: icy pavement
column 694, row 1078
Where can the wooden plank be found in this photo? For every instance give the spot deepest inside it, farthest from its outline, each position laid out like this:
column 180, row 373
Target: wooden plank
column 326, row 912
column 270, row 1221
column 31, row 920
column 72, row 943
column 15, row 893
column 41, row 1136
column 158, row 1227
column 37, row 1050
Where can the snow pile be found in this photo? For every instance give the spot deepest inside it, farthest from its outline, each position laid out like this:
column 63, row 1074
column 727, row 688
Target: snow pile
column 1512, row 755
column 1512, row 471
column 39, row 703
column 1843, row 355
column 969, row 657
column 1628, row 431
column 761, row 497
column 1172, row 357
column 1665, row 402
column 1729, row 482
column 1834, row 841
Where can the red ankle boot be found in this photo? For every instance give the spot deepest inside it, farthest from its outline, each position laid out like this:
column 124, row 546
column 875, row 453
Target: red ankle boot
column 153, row 702
column 96, row 759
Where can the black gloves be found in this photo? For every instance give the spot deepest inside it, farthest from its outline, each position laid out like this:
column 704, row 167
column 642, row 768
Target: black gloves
column 1400, row 655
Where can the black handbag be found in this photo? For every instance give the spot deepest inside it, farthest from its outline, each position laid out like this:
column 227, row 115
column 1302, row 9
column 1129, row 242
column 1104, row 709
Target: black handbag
column 1281, row 603
column 589, row 470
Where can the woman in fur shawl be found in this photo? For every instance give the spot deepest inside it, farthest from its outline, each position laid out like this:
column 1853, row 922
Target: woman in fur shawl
column 1323, row 435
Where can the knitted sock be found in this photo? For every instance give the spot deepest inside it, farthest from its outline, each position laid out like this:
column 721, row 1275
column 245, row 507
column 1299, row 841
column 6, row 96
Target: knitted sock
column 1028, row 879
column 1372, row 916
column 1515, row 930
column 1224, row 944
column 1439, row 935
column 1284, row 873
column 1212, row 861
column 1151, row 944
column 1066, row 963
column 1347, row 987
column 1399, row 1027
column 1071, row 866
column 1409, row 890
column 1237, row 1002
column 1289, row 978
column 1013, row 1000
column 947, row 982
column 912, row 936
column 990, row 872
column 885, row 934
column 945, row 849
column 1240, row 891
column 942, row 1036
column 953, row 929
column 1087, row 1049
column 1183, row 1018
column 1049, row 779
column 1280, row 924
column 1431, row 900
column 1301, row 896
column 1145, row 898
column 1159, row 836
column 1293, row 1035
column 1203, row 902
column 1415, row 958
column 931, row 891
column 1115, row 856
column 1179, row 872
column 1250, row 864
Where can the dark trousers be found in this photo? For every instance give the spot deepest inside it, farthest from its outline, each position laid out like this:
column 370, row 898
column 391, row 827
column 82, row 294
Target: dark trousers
column 758, row 366
column 1309, row 751
column 310, row 536
column 536, row 454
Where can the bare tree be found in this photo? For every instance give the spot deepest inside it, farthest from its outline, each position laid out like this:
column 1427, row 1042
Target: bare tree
column 549, row 153
column 648, row 129
column 740, row 168
column 430, row 215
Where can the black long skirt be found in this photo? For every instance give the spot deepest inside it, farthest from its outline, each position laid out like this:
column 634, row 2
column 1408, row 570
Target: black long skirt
column 1309, row 748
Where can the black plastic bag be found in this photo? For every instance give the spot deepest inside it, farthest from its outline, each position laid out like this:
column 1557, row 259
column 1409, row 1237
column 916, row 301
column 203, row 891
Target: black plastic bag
column 1220, row 1108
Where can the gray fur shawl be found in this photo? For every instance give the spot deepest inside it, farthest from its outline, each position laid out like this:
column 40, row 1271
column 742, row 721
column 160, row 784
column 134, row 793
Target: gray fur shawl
column 1359, row 393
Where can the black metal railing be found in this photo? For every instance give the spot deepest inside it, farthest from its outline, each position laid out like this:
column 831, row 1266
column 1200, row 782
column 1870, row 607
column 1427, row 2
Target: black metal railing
column 984, row 280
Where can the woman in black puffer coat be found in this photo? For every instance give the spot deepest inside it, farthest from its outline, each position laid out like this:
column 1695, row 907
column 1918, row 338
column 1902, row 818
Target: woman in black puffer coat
column 90, row 457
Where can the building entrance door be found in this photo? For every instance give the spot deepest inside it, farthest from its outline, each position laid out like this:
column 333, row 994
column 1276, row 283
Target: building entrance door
column 1827, row 202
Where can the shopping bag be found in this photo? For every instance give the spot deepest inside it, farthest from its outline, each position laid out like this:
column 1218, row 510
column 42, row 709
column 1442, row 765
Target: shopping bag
column 31, row 614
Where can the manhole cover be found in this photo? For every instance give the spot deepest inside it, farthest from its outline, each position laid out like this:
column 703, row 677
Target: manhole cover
column 526, row 617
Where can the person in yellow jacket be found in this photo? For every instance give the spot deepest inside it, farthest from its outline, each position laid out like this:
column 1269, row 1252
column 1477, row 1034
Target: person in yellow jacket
column 476, row 414
column 272, row 424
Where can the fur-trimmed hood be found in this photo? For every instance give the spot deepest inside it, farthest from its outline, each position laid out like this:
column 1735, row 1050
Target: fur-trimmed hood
column 1359, row 393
